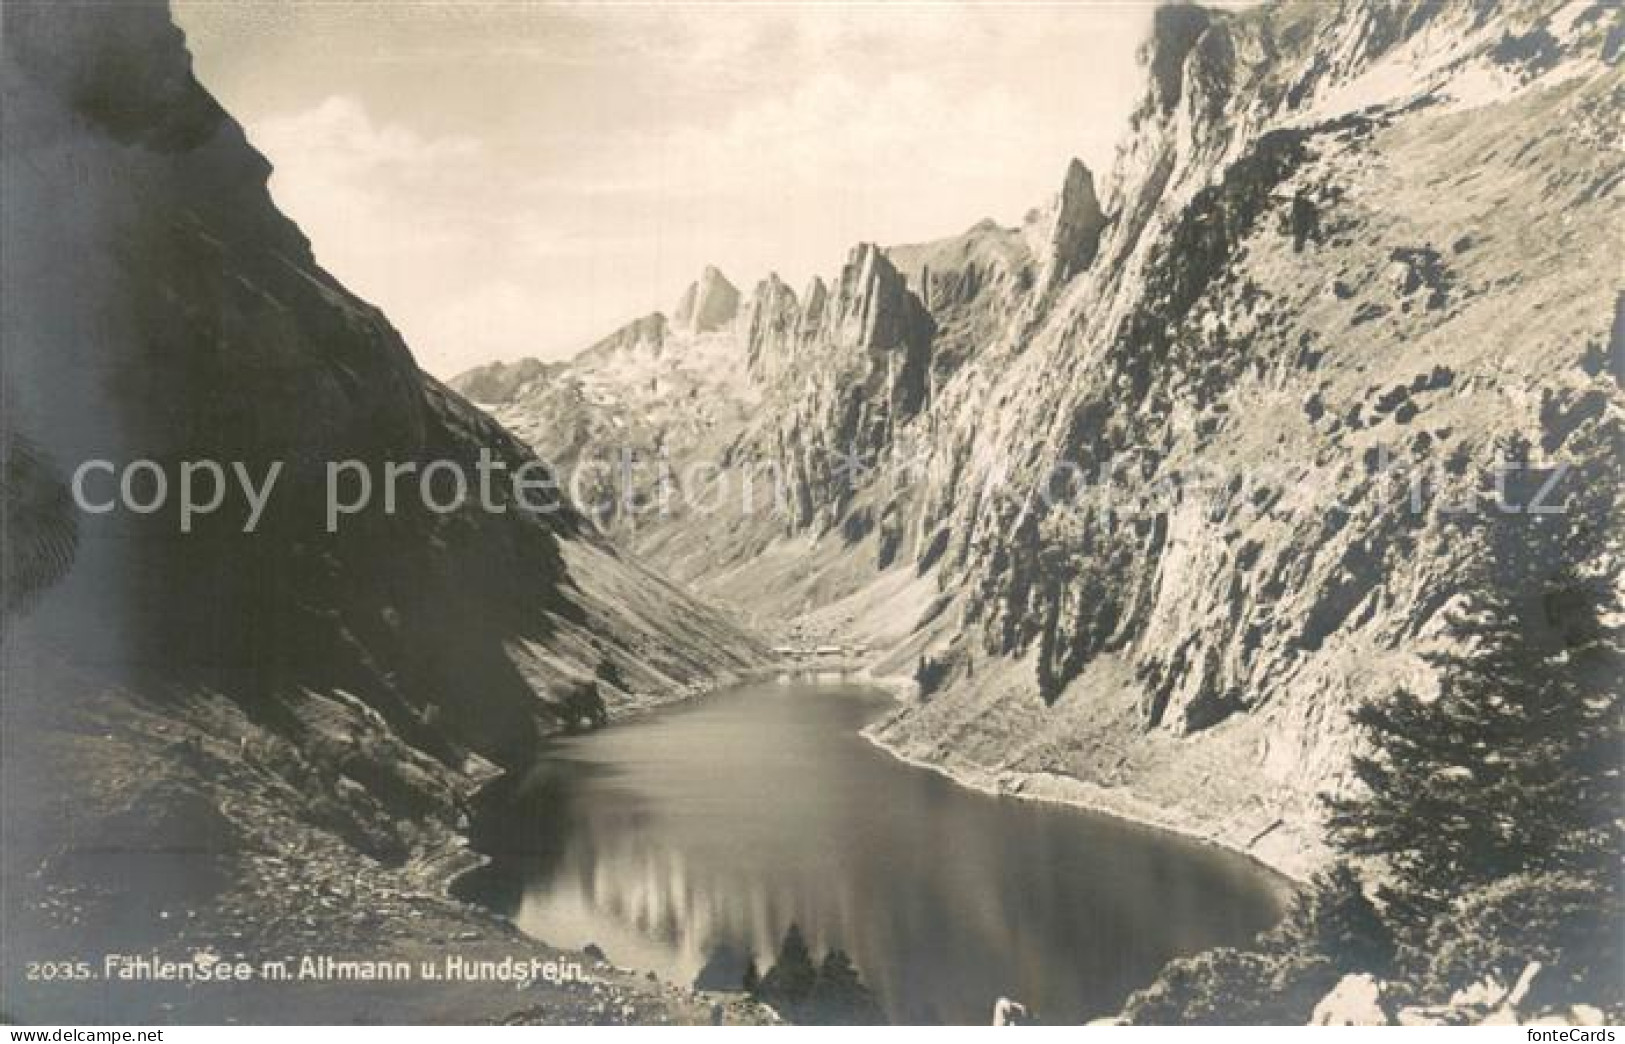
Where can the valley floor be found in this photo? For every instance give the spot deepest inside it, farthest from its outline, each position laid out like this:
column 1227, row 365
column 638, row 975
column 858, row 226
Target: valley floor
column 168, row 828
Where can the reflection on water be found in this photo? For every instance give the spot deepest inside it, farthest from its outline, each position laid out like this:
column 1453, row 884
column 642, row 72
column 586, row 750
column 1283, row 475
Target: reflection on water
column 690, row 840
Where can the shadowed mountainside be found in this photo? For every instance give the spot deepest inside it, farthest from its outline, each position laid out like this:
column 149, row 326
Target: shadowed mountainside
column 329, row 699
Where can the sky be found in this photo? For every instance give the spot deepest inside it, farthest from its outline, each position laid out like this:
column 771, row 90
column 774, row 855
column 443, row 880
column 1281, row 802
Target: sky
column 508, row 179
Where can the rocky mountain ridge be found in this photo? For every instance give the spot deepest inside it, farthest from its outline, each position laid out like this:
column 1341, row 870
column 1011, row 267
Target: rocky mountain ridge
column 709, row 303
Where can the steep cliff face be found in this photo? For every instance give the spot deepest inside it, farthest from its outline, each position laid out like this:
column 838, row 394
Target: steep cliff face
column 1075, row 224
column 863, row 373
column 1165, row 482
column 503, row 382
column 362, row 679
column 625, row 415
column 973, row 284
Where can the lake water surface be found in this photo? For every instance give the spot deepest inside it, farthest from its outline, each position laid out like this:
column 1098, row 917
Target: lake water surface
column 686, row 841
